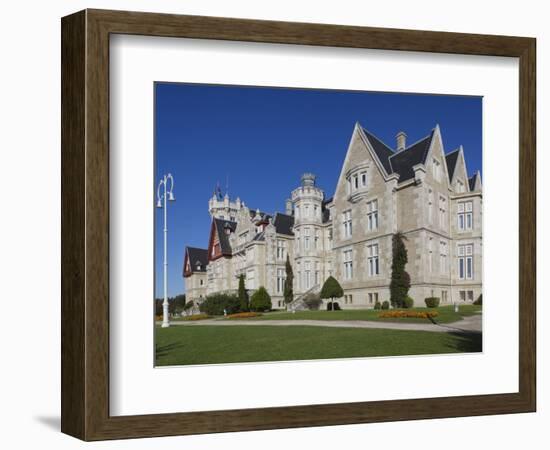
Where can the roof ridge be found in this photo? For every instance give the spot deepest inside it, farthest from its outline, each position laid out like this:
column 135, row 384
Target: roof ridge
column 378, row 139
column 412, row 145
column 454, row 151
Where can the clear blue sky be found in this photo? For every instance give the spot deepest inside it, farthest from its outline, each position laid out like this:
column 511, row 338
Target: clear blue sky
column 263, row 139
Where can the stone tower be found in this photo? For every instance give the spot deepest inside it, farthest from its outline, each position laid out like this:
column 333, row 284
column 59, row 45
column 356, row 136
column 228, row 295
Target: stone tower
column 224, row 208
column 307, row 202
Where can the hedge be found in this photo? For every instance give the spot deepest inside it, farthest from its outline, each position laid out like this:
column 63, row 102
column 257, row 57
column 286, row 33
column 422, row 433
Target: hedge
column 432, row 302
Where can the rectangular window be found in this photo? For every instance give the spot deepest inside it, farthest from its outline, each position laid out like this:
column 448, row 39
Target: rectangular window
column 372, row 215
column 306, row 211
column 280, row 249
column 372, row 260
column 307, row 275
column 317, row 274
column 373, row 297
column 465, row 216
column 346, row 223
column 470, row 296
column 444, row 296
column 297, row 241
column 363, row 179
column 442, row 211
column 355, row 182
column 430, row 255
column 316, row 240
column 462, row 296
column 348, row 264
column 465, row 262
column 430, row 206
column 442, row 257
column 306, row 238
column 281, row 276
column 298, row 277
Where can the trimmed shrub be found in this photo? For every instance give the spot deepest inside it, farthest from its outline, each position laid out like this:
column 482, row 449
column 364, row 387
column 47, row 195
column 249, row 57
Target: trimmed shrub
column 378, row 305
column 408, row 303
column 432, row 302
column 385, row 304
column 333, row 306
column 215, row 304
column 313, row 301
column 260, row 301
column 479, row 300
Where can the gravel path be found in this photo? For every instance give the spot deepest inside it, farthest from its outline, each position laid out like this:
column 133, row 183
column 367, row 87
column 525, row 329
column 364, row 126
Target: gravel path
column 468, row 324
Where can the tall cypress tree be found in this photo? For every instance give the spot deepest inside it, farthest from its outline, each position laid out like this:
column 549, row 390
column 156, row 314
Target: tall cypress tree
column 400, row 279
column 288, row 292
column 243, row 295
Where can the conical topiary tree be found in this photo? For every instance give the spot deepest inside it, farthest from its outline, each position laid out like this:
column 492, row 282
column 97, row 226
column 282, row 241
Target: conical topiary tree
column 289, row 280
column 331, row 289
column 243, row 295
column 400, row 279
column 260, row 300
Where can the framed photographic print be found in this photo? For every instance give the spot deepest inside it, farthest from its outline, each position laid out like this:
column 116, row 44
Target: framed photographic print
column 273, row 225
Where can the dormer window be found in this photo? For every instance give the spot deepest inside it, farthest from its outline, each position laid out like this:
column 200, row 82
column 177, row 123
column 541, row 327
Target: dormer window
column 363, row 179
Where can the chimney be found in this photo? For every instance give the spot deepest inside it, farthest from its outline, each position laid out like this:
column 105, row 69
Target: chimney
column 288, row 209
column 401, row 140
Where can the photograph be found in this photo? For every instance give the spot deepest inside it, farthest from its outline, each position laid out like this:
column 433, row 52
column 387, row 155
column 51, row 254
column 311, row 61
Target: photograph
column 297, row 224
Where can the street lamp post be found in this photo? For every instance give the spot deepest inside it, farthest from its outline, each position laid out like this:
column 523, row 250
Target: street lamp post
column 162, row 199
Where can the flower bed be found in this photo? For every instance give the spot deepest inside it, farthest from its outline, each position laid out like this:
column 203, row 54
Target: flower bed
column 243, row 315
column 408, row 315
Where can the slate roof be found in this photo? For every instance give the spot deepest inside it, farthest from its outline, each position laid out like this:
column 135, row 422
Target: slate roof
column 263, row 215
column 283, row 224
column 451, row 159
column 197, row 255
column 403, row 161
column 221, row 225
column 383, row 152
column 472, row 182
column 325, row 211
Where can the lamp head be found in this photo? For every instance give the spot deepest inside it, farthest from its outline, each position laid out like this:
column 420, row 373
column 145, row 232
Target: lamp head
column 159, row 203
column 171, row 196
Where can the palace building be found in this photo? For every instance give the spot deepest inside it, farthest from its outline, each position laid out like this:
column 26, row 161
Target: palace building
column 416, row 189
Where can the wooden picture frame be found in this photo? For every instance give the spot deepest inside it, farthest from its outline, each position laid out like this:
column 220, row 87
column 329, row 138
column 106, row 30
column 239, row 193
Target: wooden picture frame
column 85, row 224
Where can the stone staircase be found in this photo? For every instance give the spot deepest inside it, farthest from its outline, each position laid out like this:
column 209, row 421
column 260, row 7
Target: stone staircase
column 298, row 303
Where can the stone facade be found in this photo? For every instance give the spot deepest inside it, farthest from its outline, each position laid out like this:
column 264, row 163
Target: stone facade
column 417, row 190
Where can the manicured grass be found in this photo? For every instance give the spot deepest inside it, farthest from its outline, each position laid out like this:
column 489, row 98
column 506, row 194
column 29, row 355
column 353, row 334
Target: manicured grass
column 446, row 314
column 208, row 344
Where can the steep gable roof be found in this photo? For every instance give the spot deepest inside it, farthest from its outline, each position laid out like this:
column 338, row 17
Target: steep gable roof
column 403, row 161
column 221, row 225
column 383, row 152
column 472, row 182
column 451, row 159
column 283, row 224
column 198, row 256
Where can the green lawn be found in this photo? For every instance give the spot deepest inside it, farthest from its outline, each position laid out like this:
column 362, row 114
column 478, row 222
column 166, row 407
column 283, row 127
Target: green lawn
column 446, row 314
column 208, row 344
